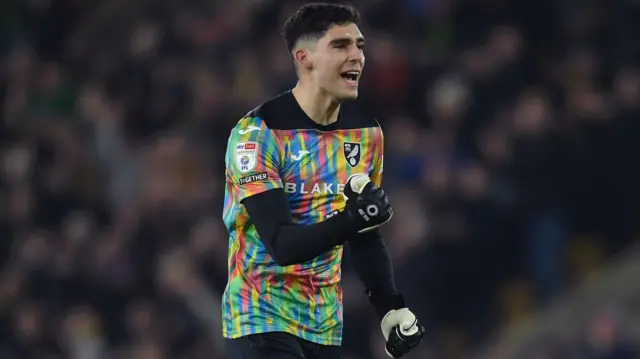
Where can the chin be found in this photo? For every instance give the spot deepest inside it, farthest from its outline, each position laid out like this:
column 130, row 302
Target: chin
column 348, row 95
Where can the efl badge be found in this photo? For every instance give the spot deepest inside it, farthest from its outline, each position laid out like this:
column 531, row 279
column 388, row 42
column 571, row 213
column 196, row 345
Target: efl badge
column 352, row 153
column 246, row 154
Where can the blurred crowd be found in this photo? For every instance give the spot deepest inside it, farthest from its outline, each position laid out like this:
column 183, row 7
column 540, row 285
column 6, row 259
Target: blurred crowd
column 511, row 162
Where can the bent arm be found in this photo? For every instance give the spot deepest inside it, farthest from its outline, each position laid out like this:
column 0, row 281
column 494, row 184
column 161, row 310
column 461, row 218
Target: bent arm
column 290, row 243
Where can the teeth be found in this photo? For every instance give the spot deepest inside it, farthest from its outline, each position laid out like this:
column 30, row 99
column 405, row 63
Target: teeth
column 351, row 75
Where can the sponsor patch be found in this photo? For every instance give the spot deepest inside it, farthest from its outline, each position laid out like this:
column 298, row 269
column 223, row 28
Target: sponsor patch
column 246, row 156
column 246, row 146
column 253, row 178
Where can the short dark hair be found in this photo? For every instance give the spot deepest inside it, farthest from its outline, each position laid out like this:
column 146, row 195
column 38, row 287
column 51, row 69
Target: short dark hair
column 314, row 20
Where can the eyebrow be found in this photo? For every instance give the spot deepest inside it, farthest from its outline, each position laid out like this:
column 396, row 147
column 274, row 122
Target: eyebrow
column 346, row 40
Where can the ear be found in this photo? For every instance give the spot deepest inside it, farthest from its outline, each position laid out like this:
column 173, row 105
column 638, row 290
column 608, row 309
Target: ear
column 302, row 58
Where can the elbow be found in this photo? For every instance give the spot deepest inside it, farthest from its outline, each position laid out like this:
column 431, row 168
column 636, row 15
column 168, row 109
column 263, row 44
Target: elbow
column 282, row 259
column 281, row 255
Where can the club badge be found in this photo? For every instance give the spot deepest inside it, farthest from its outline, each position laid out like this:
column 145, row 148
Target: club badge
column 352, row 153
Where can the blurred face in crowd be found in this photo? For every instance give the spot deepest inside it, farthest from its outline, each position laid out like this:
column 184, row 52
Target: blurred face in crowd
column 334, row 62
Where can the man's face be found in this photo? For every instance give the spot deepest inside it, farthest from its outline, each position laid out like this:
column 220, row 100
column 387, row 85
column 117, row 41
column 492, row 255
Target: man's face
column 338, row 60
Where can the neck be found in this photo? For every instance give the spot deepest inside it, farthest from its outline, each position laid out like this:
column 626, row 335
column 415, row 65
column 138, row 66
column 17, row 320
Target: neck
column 316, row 103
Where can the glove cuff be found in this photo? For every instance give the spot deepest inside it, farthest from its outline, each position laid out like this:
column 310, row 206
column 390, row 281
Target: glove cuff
column 385, row 302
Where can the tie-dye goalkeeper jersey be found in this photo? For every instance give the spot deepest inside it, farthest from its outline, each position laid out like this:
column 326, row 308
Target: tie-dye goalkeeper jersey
column 278, row 146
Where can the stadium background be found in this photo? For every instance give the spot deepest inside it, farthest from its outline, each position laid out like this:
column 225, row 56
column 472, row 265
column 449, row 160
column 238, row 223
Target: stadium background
column 512, row 163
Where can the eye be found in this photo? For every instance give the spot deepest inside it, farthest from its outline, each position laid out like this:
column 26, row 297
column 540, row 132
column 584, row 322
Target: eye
column 340, row 46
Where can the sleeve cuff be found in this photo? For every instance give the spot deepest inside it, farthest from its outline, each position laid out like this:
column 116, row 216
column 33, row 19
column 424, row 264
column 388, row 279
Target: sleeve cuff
column 383, row 303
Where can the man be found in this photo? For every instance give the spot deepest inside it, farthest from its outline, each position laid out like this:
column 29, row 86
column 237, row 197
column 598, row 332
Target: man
column 297, row 190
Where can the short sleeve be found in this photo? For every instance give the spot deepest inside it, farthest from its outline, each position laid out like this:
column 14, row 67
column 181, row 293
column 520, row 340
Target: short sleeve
column 378, row 158
column 252, row 159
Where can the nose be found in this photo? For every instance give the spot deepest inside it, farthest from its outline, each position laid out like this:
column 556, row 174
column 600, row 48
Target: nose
column 356, row 54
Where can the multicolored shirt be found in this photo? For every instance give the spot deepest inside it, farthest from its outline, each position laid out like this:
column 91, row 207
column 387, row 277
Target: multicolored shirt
column 278, row 146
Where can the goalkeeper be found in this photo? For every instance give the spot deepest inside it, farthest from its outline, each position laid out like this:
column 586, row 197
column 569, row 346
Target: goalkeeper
column 303, row 176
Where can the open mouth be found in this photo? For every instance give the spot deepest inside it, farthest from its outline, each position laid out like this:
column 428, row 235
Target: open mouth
column 351, row 77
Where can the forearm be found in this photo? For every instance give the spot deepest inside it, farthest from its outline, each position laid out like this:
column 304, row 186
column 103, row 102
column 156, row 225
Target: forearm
column 289, row 243
column 293, row 244
column 372, row 263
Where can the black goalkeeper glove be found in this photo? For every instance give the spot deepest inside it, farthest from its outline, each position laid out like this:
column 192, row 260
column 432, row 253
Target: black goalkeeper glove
column 401, row 329
column 367, row 205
